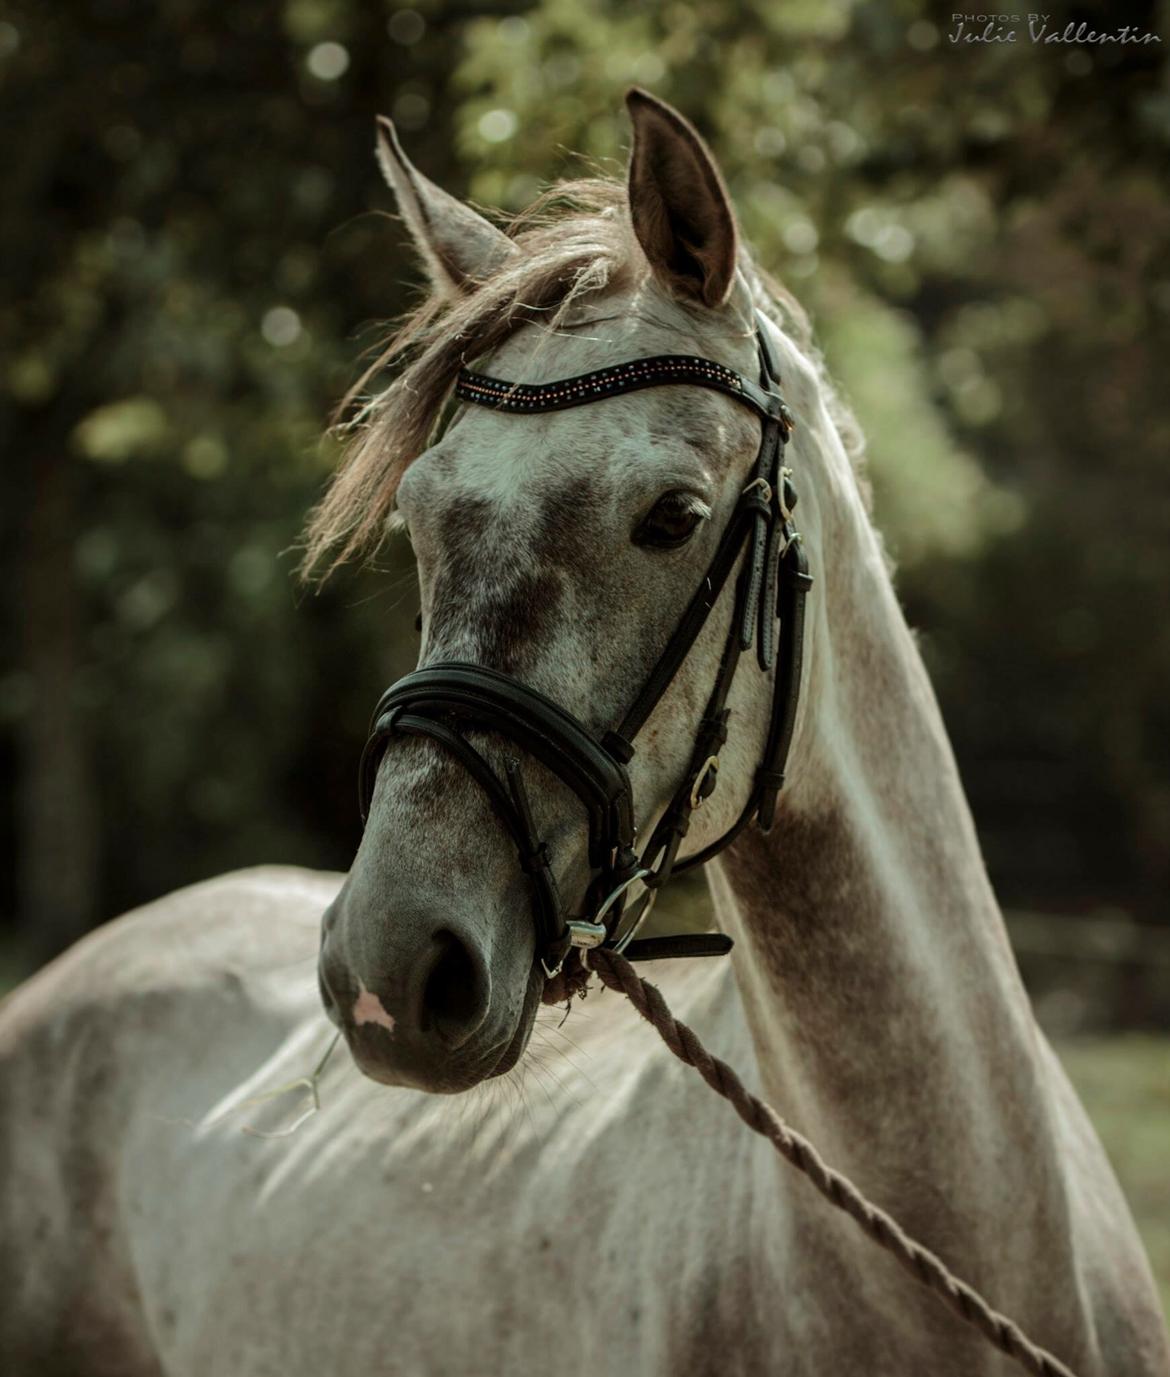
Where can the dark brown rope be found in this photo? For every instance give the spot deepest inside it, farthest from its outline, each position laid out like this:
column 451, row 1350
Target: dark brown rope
column 617, row 973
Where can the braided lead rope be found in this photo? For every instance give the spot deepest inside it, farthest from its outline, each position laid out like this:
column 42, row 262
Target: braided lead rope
column 617, row 973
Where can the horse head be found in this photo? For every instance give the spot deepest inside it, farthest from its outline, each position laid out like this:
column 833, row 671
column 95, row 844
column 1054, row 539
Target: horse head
column 560, row 548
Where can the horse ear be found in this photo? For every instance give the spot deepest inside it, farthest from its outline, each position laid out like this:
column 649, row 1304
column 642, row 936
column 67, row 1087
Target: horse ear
column 678, row 204
column 460, row 248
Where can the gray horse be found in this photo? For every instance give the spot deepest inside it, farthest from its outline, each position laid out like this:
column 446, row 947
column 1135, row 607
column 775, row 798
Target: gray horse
column 590, row 1207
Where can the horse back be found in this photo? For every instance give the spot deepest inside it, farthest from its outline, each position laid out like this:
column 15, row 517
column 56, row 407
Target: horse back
column 84, row 1045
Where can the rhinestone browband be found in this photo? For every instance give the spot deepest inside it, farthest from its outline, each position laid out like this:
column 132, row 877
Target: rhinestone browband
column 659, row 371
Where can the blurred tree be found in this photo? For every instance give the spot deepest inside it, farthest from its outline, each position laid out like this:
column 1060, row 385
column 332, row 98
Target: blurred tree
column 185, row 227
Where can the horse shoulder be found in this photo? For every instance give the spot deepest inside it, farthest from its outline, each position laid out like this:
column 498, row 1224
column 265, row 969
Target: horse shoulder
column 1127, row 1320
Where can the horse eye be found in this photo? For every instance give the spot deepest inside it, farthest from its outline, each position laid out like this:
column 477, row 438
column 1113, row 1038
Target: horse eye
column 670, row 522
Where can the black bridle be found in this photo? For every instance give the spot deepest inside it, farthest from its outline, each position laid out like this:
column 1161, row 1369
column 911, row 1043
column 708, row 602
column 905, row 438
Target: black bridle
column 443, row 701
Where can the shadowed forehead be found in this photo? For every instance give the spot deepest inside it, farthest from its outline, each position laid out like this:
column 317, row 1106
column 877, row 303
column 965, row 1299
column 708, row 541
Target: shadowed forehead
column 625, row 446
column 618, row 452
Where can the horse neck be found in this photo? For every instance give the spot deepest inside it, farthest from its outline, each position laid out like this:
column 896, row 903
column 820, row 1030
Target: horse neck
column 881, row 991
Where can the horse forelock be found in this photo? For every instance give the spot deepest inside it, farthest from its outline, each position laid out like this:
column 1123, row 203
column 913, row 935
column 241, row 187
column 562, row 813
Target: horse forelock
column 577, row 244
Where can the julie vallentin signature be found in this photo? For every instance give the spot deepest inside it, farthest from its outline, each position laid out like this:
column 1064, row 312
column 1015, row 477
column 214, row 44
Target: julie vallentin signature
column 1038, row 28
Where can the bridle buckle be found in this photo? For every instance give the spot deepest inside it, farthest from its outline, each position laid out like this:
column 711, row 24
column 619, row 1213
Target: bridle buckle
column 700, row 794
column 782, row 495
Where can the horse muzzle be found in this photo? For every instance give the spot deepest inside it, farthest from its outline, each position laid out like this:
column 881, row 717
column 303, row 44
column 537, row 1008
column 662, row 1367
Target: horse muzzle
column 433, row 1017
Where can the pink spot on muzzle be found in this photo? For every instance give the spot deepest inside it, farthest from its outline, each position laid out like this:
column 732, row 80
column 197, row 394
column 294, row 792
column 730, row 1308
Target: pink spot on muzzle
column 368, row 1008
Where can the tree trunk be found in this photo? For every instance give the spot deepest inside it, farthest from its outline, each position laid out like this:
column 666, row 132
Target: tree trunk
column 57, row 816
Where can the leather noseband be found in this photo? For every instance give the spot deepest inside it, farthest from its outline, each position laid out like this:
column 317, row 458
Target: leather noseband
column 443, row 701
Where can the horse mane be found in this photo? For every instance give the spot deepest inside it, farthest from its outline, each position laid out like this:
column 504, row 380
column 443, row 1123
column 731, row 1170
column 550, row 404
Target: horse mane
column 576, row 242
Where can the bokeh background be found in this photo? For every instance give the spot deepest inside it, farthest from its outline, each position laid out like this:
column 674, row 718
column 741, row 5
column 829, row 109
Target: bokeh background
column 196, row 250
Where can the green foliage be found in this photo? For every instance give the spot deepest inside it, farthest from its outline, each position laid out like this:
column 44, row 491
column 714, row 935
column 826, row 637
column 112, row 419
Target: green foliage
column 933, row 498
column 193, row 224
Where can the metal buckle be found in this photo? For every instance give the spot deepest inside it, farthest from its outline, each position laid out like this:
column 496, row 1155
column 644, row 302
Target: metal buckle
column 785, row 510
column 711, row 763
column 764, row 486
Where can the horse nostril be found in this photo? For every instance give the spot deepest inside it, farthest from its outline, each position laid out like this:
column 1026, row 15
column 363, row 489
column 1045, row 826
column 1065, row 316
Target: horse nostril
column 454, row 1001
